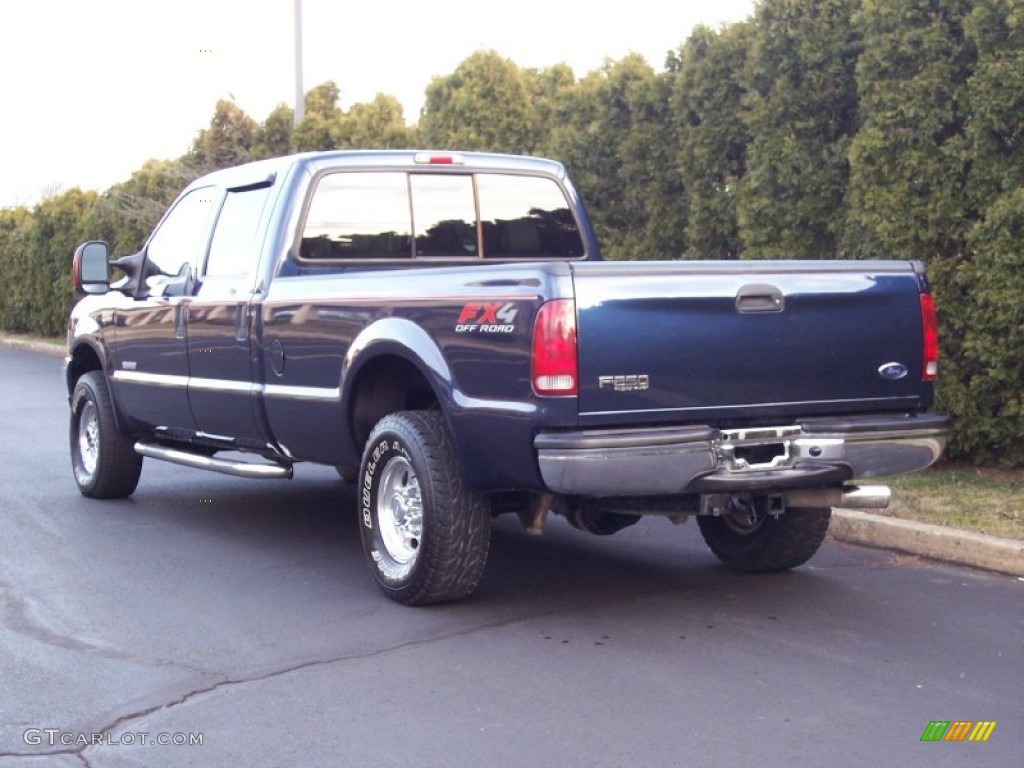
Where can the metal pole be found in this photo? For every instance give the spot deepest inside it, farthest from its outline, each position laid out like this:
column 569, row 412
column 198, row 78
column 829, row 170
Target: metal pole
column 300, row 98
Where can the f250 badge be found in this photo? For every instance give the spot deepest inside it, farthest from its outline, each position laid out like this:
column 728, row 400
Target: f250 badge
column 634, row 382
column 497, row 317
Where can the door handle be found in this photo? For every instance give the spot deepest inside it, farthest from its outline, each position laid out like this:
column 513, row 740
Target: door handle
column 179, row 319
column 760, row 297
column 242, row 322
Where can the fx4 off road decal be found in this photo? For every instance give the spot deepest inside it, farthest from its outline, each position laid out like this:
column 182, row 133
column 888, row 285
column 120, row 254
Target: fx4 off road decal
column 496, row 317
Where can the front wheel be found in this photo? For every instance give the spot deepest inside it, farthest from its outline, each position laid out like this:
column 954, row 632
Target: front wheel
column 424, row 530
column 103, row 459
column 755, row 541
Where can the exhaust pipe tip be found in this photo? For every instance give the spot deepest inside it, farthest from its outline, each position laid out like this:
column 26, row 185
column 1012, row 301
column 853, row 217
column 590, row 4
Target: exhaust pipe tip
column 846, row 497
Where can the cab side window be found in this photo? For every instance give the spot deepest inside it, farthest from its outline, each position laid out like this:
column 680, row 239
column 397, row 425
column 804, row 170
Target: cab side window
column 233, row 250
column 179, row 241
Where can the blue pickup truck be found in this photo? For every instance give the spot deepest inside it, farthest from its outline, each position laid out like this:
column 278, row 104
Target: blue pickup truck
column 440, row 328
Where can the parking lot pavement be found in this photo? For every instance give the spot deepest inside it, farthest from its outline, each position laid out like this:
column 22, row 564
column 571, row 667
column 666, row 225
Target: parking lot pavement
column 241, row 614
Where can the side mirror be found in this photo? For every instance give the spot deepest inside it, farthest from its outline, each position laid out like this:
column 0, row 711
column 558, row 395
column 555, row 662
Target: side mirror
column 90, row 270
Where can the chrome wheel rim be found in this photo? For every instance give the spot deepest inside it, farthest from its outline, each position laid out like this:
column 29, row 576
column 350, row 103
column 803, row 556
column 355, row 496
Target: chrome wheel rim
column 400, row 511
column 89, row 438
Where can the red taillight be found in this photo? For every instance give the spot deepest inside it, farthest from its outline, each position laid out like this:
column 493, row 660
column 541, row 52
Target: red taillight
column 553, row 364
column 929, row 338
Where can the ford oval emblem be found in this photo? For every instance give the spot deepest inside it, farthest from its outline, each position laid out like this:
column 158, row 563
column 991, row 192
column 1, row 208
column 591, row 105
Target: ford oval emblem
column 893, row 371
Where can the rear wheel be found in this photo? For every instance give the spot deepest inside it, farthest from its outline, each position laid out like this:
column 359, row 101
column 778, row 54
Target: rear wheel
column 754, row 540
column 424, row 530
column 103, row 459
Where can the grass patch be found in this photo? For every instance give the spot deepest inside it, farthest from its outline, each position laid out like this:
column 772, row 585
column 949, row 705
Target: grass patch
column 980, row 499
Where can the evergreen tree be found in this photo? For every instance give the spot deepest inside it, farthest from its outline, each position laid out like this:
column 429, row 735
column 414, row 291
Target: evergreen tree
column 611, row 133
column 35, row 261
column 320, row 127
column 15, row 224
column 800, row 111
column 274, row 136
column 483, row 105
column 908, row 168
column 986, row 388
column 707, row 106
column 227, row 141
column 378, row 124
column 549, row 90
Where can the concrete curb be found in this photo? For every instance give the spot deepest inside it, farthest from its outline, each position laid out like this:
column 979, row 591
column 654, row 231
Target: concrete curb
column 933, row 541
column 28, row 345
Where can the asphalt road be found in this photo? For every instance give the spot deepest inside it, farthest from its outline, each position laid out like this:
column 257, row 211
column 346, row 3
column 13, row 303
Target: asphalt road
column 241, row 612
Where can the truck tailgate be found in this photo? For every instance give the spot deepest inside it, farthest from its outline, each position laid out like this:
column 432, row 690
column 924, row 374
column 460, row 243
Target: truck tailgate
column 716, row 341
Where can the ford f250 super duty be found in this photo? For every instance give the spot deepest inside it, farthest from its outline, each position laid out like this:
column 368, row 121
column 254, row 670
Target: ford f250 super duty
column 441, row 329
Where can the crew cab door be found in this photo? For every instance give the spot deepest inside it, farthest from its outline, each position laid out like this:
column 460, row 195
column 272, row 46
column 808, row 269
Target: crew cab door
column 148, row 337
column 219, row 318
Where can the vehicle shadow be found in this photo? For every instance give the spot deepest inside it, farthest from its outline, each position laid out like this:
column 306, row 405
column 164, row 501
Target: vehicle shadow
column 312, row 521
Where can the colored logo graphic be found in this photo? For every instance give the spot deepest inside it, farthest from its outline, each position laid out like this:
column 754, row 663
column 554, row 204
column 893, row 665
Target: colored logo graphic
column 958, row 730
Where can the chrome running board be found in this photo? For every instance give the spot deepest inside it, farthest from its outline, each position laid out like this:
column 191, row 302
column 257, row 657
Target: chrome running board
column 224, row 466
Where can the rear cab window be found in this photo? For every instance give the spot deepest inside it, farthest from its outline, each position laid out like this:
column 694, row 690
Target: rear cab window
column 526, row 217
column 361, row 215
column 444, row 216
column 355, row 216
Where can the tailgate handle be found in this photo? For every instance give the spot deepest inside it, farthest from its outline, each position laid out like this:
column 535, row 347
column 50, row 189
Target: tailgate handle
column 760, row 297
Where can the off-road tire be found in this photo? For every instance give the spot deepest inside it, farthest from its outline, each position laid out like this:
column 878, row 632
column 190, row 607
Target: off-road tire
column 774, row 544
column 408, row 457
column 103, row 459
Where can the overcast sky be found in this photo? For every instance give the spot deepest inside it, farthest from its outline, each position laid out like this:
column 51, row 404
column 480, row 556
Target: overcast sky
column 91, row 89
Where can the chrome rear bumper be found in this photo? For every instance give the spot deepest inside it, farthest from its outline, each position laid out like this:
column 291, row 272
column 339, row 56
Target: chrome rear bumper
column 702, row 459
